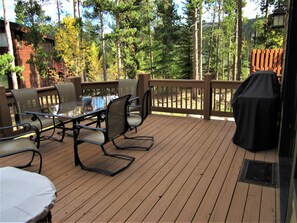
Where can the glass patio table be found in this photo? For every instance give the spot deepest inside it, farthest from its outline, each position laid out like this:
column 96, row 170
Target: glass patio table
column 75, row 111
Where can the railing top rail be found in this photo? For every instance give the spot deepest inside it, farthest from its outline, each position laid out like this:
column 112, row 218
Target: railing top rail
column 98, row 85
column 225, row 84
column 177, row 83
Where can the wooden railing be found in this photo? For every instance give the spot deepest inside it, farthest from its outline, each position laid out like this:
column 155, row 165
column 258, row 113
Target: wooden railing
column 178, row 96
column 207, row 97
column 221, row 97
column 100, row 88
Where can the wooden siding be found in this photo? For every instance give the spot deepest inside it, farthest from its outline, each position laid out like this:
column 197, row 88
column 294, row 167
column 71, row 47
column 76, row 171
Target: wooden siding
column 190, row 174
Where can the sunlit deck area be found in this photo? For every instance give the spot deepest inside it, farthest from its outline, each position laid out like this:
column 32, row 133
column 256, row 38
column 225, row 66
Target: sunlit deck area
column 190, row 174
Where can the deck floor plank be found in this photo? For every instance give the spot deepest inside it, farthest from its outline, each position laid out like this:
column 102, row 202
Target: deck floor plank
column 137, row 200
column 113, row 183
column 190, row 174
column 146, row 178
column 209, row 166
column 148, row 162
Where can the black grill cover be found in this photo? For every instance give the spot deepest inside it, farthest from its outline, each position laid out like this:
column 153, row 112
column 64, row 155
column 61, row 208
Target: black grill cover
column 256, row 106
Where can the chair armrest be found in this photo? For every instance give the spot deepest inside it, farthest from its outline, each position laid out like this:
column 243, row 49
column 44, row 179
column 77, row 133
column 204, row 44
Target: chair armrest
column 134, row 100
column 135, row 106
column 18, row 117
column 27, row 129
column 80, row 126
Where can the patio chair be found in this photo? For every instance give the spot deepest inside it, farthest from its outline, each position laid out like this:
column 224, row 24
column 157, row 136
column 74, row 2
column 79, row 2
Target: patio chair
column 15, row 144
column 115, row 126
column 67, row 94
column 129, row 86
column 26, row 99
column 136, row 119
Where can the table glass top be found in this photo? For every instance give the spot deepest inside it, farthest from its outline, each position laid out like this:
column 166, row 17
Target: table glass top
column 75, row 109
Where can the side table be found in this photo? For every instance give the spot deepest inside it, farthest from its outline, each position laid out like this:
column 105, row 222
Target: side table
column 25, row 196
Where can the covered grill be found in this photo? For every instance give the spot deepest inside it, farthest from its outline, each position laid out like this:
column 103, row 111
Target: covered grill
column 256, row 105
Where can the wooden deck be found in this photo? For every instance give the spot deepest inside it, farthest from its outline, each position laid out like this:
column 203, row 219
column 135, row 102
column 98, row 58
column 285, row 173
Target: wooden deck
column 190, row 174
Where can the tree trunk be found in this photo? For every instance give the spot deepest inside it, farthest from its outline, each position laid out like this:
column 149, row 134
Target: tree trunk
column 150, row 39
column 229, row 60
column 200, row 43
column 211, row 40
column 78, row 8
column 195, row 43
column 59, row 13
column 218, row 42
column 74, row 9
column 10, row 45
column 234, row 73
column 266, row 22
column 239, row 44
column 118, row 43
column 103, row 46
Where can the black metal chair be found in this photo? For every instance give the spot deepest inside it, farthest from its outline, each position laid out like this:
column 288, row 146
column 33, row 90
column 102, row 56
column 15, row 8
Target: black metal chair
column 67, row 94
column 129, row 86
column 136, row 119
column 26, row 99
column 20, row 143
column 115, row 126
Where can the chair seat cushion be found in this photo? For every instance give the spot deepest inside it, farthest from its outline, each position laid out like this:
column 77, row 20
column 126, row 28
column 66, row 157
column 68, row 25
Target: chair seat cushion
column 96, row 137
column 16, row 146
column 134, row 120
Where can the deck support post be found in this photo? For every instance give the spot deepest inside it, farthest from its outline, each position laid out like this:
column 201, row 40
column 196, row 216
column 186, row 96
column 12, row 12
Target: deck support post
column 143, row 85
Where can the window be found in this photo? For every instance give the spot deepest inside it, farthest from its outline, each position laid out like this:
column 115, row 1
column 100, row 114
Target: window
column 3, row 40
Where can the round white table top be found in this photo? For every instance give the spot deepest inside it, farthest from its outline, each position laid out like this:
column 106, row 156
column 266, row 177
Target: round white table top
column 25, row 196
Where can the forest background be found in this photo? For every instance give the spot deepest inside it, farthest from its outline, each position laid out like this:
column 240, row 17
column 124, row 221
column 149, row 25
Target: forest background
column 113, row 39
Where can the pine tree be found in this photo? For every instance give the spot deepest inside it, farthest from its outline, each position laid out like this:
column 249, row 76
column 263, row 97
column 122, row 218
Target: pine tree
column 31, row 14
column 166, row 37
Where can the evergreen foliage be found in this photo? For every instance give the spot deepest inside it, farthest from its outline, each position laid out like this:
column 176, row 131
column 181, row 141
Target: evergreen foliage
column 126, row 37
column 30, row 14
column 6, row 66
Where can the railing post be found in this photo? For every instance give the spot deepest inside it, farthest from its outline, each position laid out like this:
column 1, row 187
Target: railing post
column 77, row 84
column 5, row 119
column 207, row 96
column 143, row 84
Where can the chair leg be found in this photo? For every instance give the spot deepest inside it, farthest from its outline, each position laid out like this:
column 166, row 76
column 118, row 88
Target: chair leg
column 63, row 132
column 51, row 136
column 30, row 162
column 130, row 159
column 143, row 138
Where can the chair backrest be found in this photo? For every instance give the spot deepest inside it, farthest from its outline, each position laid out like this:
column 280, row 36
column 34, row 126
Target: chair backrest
column 26, row 99
column 66, row 92
column 145, row 104
column 116, row 117
column 128, row 86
